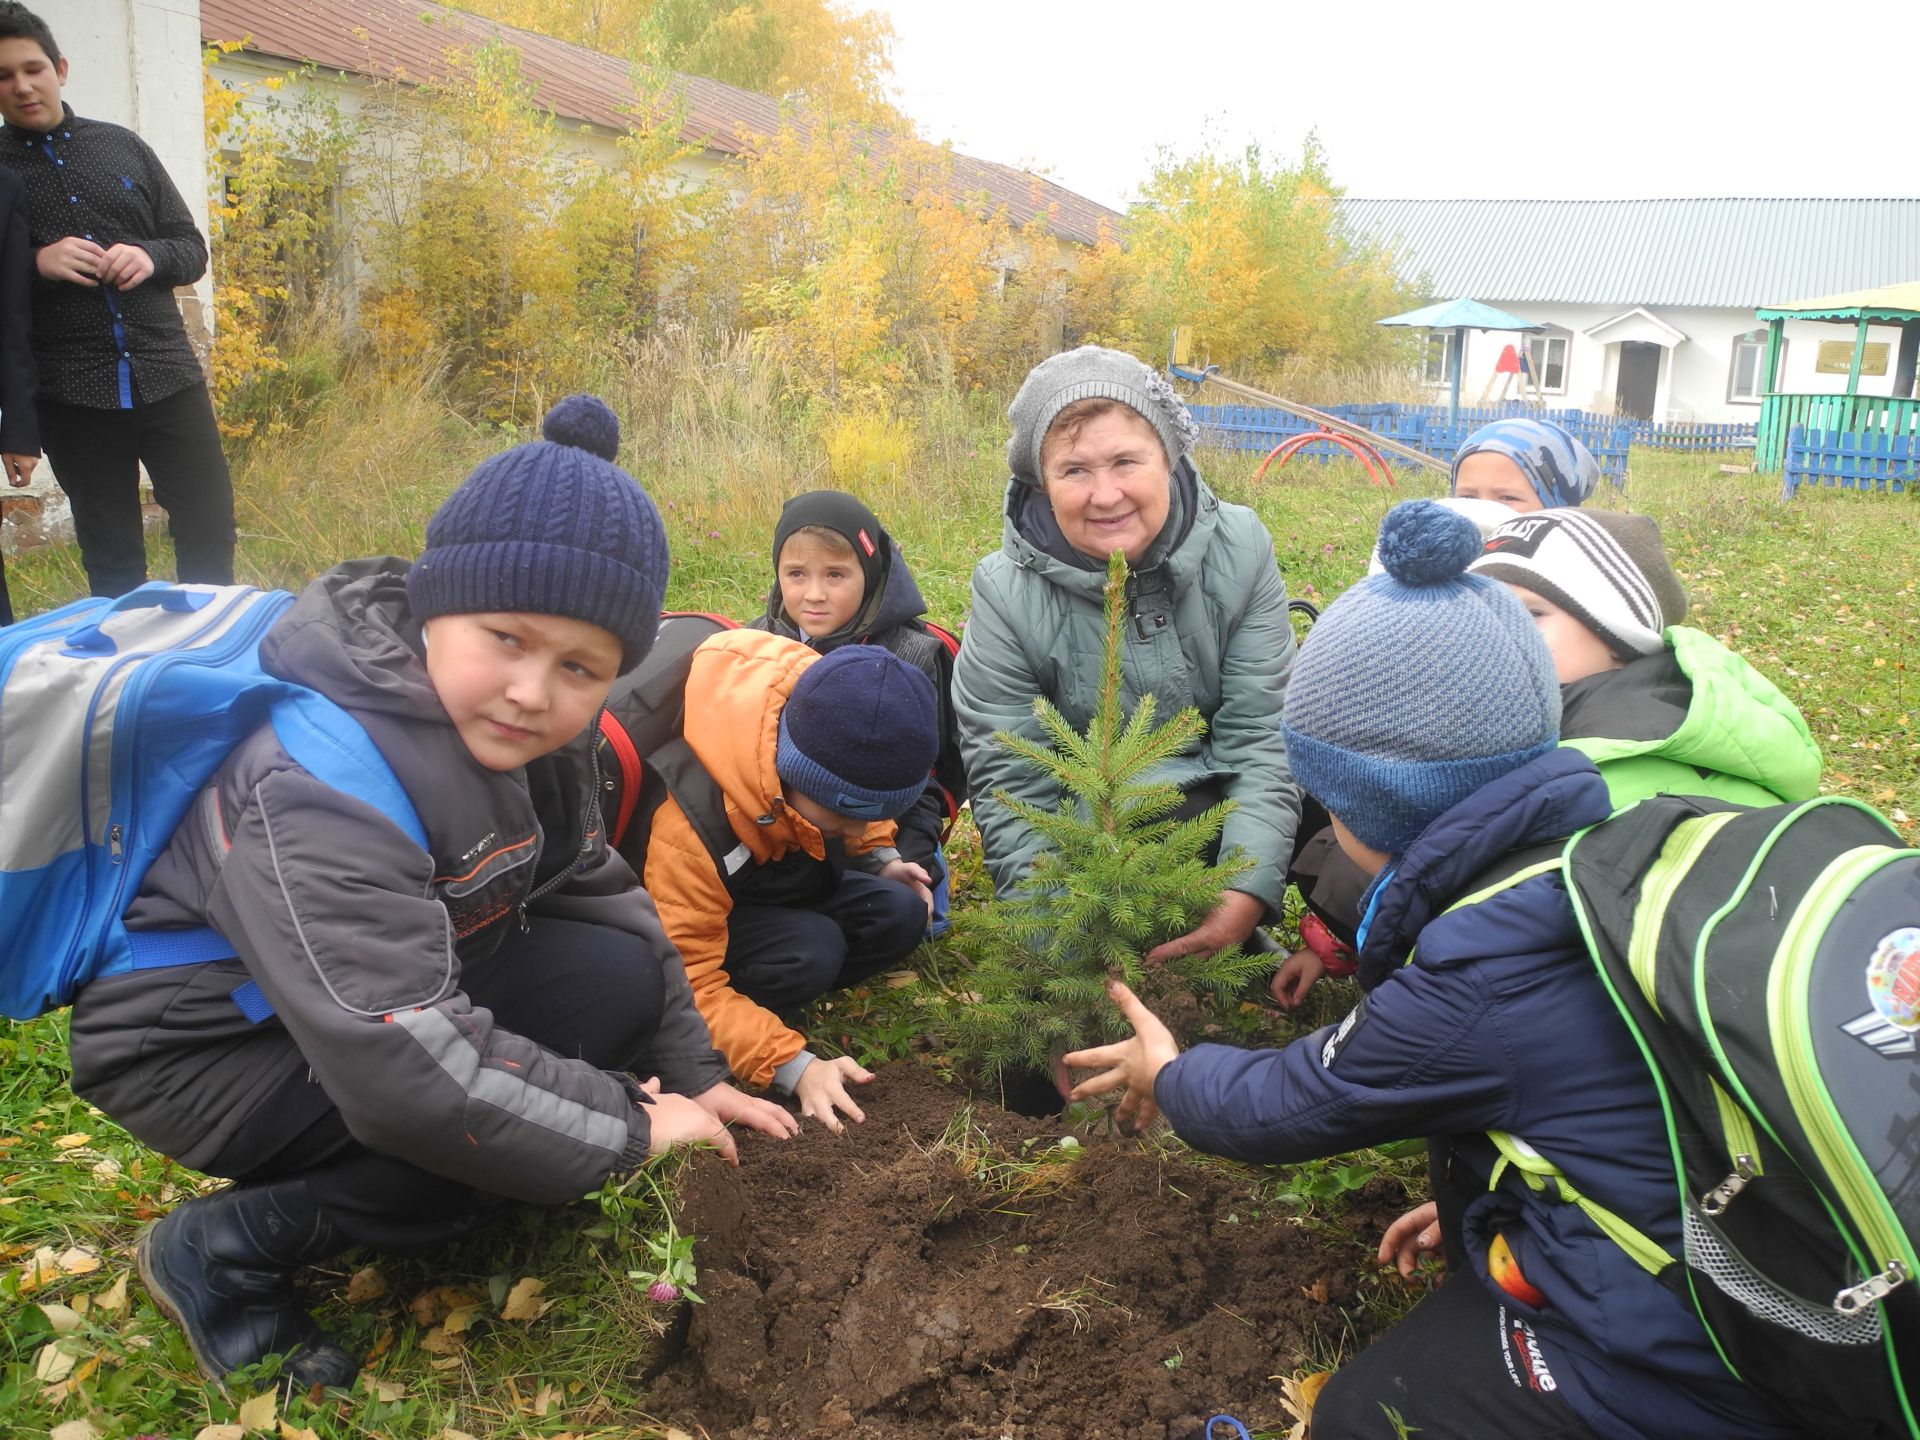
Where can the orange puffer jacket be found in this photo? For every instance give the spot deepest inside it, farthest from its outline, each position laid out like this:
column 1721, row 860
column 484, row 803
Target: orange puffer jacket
column 739, row 682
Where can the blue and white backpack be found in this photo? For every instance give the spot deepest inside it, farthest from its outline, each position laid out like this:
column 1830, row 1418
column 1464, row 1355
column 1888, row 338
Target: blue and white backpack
column 114, row 714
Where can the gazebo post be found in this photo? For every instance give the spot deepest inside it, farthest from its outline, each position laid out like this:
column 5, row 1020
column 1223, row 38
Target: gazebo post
column 1775, row 327
column 1905, row 366
column 1457, row 343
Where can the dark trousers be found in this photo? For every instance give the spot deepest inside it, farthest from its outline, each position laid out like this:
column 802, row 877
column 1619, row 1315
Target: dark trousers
column 96, row 457
column 583, row 991
column 782, row 956
column 1457, row 1368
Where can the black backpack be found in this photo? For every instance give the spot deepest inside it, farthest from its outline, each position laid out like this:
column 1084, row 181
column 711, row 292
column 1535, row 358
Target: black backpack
column 1768, row 963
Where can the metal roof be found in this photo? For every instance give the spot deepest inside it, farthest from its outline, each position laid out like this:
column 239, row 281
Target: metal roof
column 1740, row 252
column 410, row 38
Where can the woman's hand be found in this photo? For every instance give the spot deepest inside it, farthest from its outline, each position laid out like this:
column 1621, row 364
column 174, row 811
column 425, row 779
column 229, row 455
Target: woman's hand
column 912, row 875
column 1298, row 974
column 1133, row 1063
column 822, row 1091
column 676, row 1120
column 1228, row 923
column 726, row 1103
column 1414, row 1234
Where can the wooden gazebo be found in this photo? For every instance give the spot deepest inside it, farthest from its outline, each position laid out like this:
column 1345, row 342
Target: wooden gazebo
column 1851, row 413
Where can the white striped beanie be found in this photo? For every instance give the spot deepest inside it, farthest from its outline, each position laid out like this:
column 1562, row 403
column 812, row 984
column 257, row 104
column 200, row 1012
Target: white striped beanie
column 1607, row 570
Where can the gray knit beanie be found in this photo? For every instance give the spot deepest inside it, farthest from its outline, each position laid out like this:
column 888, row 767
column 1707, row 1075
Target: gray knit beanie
column 1419, row 686
column 1607, row 570
column 1093, row 372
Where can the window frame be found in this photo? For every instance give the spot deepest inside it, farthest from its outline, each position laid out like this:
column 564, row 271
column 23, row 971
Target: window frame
column 1445, row 377
column 1757, row 341
column 1545, row 339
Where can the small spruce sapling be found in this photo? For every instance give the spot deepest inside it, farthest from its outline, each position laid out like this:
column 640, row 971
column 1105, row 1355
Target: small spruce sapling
column 1118, row 876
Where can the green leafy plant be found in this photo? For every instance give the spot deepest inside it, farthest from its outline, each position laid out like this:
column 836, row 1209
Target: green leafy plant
column 645, row 1199
column 1122, row 872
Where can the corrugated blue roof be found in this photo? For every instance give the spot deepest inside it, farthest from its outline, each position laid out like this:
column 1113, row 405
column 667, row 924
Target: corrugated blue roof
column 1732, row 252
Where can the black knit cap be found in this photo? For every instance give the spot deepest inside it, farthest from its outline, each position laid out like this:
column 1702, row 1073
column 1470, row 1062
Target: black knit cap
column 553, row 527
column 847, row 517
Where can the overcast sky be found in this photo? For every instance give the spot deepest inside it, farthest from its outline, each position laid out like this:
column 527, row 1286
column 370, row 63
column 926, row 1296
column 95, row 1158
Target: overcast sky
column 1552, row 100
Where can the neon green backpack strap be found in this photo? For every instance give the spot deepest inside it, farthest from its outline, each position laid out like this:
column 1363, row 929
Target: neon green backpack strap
column 1544, row 1177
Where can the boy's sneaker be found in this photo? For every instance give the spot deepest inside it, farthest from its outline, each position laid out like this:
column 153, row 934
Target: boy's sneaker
column 221, row 1268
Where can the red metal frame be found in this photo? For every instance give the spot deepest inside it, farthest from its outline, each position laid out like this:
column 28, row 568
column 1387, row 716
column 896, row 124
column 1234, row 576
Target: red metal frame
column 1376, row 467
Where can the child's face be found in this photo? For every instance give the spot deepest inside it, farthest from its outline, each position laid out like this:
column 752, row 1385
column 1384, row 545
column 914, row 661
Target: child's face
column 1577, row 651
column 1370, row 860
column 30, row 85
column 519, row 686
column 830, row 823
column 1489, row 475
column 821, row 589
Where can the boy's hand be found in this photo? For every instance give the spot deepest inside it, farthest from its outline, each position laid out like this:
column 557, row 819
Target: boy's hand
column 1228, row 923
column 727, row 1104
column 125, row 266
column 1133, row 1063
column 1414, row 1234
column 676, row 1120
column 913, row 876
column 822, row 1091
column 1297, row 974
column 19, row 468
column 74, row 259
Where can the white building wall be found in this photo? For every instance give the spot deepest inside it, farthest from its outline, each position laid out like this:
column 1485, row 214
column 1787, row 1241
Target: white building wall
column 1694, row 375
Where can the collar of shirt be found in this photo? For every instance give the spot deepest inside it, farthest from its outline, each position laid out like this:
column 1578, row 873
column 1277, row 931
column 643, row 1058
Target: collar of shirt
column 69, row 122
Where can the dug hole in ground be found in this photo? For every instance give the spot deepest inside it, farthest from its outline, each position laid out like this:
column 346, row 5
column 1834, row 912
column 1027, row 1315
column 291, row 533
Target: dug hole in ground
column 950, row 1272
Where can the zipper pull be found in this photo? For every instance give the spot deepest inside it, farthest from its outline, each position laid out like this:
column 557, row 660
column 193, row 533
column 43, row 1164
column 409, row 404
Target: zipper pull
column 1716, row 1200
column 1856, row 1298
column 523, row 919
column 114, row 837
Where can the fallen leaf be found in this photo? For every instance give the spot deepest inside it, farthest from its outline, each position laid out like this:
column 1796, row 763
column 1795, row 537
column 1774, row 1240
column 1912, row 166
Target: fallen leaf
column 61, row 1317
column 289, row 1432
column 107, row 1169
column 385, row 1390
column 433, row 1305
column 439, row 1341
column 71, row 1142
column 367, row 1284
column 523, row 1301
column 447, row 1362
column 78, row 1260
column 219, row 1432
column 1318, row 1291
column 43, row 1266
column 674, row 1432
column 543, row 1402
column 53, row 1364
column 460, row 1321
column 73, row 1430
column 260, row 1412
column 114, row 1297
column 452, row 1434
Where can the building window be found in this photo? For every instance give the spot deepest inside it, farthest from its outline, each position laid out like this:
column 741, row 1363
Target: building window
column 1747, row 376
column 1436, row 366
column 1547, row 359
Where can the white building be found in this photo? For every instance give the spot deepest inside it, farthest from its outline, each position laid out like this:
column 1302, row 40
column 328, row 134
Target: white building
column 1649, row 304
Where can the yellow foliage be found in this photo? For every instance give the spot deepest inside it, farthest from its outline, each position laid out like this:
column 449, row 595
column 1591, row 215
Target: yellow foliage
column 864, row 446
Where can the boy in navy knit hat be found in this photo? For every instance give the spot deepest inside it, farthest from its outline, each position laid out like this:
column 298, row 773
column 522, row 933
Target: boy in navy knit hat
column 772, row 853
column 406, row 1039
column 1425, row 712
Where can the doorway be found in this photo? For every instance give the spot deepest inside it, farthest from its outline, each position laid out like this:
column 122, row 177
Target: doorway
column 1639, row 379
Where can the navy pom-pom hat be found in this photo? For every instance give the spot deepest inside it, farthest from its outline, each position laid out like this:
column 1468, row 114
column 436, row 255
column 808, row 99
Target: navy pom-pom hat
column 858, row 733
column 553, row 527
column 1418, row 686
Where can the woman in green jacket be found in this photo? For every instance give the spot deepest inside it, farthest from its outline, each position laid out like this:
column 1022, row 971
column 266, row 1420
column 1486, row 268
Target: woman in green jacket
column 1099, row 460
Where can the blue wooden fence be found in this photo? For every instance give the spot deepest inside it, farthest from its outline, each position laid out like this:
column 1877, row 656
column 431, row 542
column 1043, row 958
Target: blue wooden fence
column 1850, row 460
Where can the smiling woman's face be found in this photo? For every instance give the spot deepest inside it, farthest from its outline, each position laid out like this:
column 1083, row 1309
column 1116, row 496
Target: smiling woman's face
column 1109, row 484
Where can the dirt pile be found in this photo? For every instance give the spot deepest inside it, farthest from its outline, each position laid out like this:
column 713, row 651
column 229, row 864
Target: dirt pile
column 920, row 1277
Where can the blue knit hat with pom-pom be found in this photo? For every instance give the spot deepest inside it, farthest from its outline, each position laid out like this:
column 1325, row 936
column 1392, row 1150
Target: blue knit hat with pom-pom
column 553, row 527
column 1418, row 686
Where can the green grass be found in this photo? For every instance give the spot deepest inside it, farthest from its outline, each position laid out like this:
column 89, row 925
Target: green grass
column 1819, row 593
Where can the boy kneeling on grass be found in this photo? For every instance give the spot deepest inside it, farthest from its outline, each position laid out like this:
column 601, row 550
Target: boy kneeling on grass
column 1425, row 712
column 408, row 1040
column 803, row 761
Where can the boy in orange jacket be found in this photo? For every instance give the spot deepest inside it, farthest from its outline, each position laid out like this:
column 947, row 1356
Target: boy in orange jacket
column 771, row 857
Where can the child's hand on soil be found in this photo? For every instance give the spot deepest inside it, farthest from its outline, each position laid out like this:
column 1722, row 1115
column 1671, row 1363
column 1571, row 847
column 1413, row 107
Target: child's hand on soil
column 1414, row 1234
column 912, row 875
column 1295, row 977
column 822, row 1091
column 1228, row 923
column 1131, row 1063
column 676, row 1120
column 727, row 1104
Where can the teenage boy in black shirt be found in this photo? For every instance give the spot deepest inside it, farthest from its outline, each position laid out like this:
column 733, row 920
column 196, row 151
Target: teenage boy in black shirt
column 119, row 384
column 19, row 426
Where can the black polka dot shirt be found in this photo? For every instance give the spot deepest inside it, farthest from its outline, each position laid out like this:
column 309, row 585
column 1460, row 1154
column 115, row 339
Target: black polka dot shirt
column 101, row 347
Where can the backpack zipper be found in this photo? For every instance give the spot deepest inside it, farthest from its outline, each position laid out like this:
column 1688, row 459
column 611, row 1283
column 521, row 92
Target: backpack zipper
column 1743, row 1145
column 1891, row 1262
column 1650, row 915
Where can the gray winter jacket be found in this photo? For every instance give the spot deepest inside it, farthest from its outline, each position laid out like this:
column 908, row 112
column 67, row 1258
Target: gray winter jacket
column 1208, row 628
column 357, row 937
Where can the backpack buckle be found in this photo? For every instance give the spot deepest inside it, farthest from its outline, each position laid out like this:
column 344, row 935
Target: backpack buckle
column 1856, row 1298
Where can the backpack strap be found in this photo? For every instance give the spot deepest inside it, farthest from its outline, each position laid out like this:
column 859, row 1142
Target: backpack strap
column 329, row 744
column 1543, row 1177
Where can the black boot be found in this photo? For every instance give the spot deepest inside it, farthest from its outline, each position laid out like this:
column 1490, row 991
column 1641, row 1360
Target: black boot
column 221, row 1268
